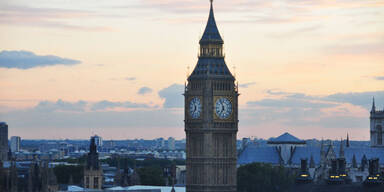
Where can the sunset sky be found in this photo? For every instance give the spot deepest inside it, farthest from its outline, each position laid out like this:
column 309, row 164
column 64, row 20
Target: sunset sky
column 117, row 68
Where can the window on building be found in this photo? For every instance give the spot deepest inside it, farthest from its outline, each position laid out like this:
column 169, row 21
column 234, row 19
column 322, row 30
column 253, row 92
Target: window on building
column 379, row 130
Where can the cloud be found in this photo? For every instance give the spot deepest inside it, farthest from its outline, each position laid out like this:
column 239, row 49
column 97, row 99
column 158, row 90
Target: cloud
column 380, row 78
column 292, row 112
column 86, row 106
column 140, row 123
column 337, row 111
column 276, row 92
column 353, row 49
column 65, row 119
column 173, row 96
column 144, row 90
column 246, row 85
column 290, row 103
column 299, row 32
column 362, row 99
column 102, row 105
column 27, row 60
column 60, row 105
column 47, row 17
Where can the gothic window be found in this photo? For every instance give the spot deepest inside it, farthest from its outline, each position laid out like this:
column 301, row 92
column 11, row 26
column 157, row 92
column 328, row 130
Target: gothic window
column 379, row 130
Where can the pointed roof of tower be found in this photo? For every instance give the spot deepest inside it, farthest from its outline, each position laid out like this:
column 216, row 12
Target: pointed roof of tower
column 373, row 105
column 286, row 138
column 347, row 144
column 211, row 33
column 211, row 67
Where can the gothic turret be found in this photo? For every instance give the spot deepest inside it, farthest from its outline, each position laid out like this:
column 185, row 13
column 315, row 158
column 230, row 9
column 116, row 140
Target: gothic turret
column 93, row 156
column 376, row 126
column 93, row 174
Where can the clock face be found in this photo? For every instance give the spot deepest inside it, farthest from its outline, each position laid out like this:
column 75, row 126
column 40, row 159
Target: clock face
column 223, row 108
column 195, row 108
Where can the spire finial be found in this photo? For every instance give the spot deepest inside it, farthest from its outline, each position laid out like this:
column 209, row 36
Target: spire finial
column 347, row 144
column 373, row 105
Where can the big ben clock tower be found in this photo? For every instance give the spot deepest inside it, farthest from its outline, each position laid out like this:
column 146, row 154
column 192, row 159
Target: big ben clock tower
column 211, row 118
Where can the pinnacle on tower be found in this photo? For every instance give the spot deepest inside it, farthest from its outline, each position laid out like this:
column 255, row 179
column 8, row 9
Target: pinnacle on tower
column 347, row 144
column 373, row 105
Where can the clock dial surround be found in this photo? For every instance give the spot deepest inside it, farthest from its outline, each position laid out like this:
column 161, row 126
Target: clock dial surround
column 195, row 108
column 223, row 108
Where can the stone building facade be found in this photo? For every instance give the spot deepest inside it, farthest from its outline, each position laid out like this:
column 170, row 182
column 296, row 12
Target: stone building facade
column 377, row 126
column 211, row 118
column 93, row 174
column 3, row 141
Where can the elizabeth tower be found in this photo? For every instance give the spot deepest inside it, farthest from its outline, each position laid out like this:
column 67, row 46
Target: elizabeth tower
column 211, row 118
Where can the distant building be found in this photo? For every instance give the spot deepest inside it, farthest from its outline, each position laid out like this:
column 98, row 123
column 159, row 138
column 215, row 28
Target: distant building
column 93, row 174
column 285, row 145
column 288, row 151
column 98, row 141
column 244, row 142
column 171, row 143
column 3, row 141
column 160, row 143
column 377, row 125
column 15, row 143
column 110, row 144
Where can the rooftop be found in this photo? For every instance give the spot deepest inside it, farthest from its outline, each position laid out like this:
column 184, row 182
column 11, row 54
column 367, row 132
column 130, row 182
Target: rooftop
column 286, row 138
column 211, row 33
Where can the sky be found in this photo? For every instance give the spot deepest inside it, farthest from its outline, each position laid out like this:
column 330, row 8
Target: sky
column 117, row 68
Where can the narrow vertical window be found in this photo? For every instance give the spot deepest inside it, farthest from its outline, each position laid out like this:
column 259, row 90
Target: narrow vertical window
column 379, row 134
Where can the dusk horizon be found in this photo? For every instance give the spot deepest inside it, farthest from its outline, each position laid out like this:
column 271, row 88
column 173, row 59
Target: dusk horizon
column 154, row 96
column 118, row 69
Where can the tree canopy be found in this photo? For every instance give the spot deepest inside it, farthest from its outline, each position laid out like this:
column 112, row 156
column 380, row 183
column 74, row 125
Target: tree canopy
column 262, row 177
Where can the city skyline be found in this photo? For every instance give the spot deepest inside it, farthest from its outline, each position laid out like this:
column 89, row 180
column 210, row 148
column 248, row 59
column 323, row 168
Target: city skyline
column 311, row 71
